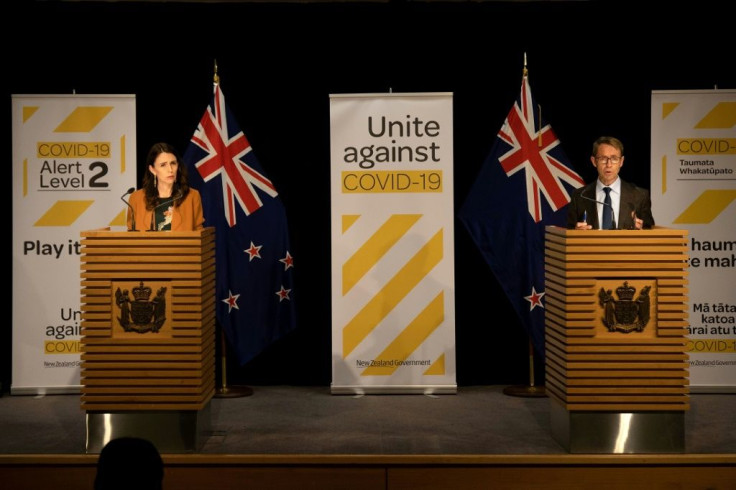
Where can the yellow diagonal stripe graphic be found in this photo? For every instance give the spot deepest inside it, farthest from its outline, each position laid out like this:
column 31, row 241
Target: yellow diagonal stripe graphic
column 664, row 174
column 374, row 248
column 83, row 119
column 25, row 177
column 348, row 220
column 707, row 206
column 28, row 111
column 120, row 220
column 437, row 368
column 398, row 351
column 63, row 213
column 391, row 294
column 122, row 154
column 668, row 107
column 722, row 116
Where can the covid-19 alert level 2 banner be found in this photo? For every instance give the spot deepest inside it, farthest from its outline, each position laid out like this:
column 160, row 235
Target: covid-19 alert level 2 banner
column 393, row 293
column 693, row 175
column 74, row 156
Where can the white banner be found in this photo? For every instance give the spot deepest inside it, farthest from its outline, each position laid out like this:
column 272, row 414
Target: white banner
column 73, row 157
column 694, row 188
column 393, row 291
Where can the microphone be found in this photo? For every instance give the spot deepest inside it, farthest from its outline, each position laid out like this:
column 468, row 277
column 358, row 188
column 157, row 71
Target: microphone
column 178, row 196
column 613, row 215
column 132, row 211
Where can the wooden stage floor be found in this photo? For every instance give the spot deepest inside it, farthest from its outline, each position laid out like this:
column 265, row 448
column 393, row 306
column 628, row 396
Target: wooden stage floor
column 295, row 437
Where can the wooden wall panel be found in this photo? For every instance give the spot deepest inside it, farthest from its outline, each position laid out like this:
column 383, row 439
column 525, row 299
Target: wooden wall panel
column 392, row 472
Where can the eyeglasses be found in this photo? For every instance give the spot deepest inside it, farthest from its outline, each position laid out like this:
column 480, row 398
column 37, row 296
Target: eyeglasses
column 605, row 160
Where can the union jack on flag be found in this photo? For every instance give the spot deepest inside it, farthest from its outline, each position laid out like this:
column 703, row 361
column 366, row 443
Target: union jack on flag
column 225, row 158
column 523, row 186
column 531, row 143
column 254, row 266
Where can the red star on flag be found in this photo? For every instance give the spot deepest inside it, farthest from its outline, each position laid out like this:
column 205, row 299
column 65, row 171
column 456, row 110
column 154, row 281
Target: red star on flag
column 254, row 251
column 283, row 294
column 231, row 301
column 535, row 299
column 288, row 261
column 243, row 205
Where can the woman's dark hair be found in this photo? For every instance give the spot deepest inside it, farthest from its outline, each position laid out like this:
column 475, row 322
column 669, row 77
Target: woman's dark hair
column 181, row 184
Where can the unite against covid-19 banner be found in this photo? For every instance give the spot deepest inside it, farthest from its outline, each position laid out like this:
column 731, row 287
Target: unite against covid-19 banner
column 392, row 220
column 74, row 156
column 693, row 175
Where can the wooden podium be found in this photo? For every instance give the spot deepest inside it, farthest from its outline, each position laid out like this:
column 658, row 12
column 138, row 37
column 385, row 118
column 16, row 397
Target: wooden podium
column 148, row 336
column 615, row 338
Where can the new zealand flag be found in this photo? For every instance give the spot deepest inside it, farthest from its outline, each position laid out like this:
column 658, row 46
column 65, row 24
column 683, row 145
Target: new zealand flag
column 255, row 297
column 521, row 188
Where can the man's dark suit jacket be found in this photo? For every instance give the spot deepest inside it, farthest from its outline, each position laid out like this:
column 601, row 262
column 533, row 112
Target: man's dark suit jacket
column 633, row 198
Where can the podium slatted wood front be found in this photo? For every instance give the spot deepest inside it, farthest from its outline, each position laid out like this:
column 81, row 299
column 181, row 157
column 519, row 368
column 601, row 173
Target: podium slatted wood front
column 172, row 369
column 589, row 368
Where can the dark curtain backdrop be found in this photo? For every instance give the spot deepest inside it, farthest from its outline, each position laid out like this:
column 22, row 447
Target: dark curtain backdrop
column 592, row 67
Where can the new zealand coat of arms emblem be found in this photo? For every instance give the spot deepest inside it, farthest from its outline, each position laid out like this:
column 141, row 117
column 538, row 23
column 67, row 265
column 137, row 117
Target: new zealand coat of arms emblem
column 625, row 314
column 143, row 314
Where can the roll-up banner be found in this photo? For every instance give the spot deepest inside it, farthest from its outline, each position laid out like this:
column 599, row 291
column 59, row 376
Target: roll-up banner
column 392, row 220
column 693, row 174
column 74, row 156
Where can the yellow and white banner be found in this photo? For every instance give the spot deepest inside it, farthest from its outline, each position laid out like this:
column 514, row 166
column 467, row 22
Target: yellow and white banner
column 74, row 156
column 392, row 219
column 694, row 188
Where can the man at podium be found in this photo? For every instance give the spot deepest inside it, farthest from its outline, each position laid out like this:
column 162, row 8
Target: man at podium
column 609, row 203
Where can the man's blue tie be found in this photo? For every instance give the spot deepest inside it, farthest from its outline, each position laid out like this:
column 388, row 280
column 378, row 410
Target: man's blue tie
column 607, row 210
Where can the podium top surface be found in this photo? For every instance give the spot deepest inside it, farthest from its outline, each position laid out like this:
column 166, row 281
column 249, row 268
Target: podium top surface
column 122, row 232
column 658, row 231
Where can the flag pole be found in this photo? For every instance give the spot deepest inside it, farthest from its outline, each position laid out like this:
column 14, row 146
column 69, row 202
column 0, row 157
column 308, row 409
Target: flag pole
column 531, row 390
column 225, row 391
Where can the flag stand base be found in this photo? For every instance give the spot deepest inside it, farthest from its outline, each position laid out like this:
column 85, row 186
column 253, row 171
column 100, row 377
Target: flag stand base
column 525, row 391
column 233, row 392
column 226, row 391
column 530, row 390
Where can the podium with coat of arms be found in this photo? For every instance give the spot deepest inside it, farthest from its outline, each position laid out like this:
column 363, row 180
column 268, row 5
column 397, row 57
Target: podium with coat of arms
column 617, row 370
column 148, row 336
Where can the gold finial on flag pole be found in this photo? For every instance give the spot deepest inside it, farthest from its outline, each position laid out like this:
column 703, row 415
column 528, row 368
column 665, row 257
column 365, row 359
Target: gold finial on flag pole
column 216, row 77
column 526, row 72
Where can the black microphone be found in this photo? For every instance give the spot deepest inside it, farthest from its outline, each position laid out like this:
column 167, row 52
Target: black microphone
column 613, row 215
column 132, row 211
column 178, row 196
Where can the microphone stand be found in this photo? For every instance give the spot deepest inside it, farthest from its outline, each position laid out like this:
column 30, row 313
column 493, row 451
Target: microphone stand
column 614, row 225
column 132, row 211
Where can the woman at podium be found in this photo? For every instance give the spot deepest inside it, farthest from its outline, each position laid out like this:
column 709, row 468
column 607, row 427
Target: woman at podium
column 165, row 202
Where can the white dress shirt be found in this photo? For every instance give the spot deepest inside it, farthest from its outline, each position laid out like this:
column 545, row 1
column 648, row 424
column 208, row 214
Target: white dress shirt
column 600, row 196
